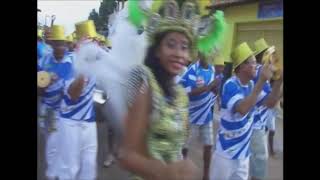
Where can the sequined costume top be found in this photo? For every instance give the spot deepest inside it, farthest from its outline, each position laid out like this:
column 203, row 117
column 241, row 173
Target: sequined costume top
column 168, row 119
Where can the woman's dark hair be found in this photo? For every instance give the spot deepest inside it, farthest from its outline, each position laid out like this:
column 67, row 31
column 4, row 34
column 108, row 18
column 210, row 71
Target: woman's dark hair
column 152, row 61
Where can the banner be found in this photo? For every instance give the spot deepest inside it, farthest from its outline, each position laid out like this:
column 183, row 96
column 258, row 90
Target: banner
column 270, row 9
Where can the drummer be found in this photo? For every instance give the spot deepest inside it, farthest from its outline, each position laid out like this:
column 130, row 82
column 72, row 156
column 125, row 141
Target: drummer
column 55, row 69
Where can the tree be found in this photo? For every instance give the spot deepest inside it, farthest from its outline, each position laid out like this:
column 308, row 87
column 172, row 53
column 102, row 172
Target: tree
column 100, row 19
column 180, row 2
column 106, row 8
column 94, row 16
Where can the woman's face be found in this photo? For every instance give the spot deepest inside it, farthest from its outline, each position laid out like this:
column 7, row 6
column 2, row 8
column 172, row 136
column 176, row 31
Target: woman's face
column 174, row 52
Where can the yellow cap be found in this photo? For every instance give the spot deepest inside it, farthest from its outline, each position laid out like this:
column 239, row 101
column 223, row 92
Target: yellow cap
column 86, row 29
column 57, row 33
column 69, row 38
column 240, row 54
column 40, row 33
column 218, row 60
column 202, row 7
column 260, row 45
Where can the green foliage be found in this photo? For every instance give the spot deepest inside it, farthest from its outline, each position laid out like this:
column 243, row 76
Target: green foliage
column 107, row 7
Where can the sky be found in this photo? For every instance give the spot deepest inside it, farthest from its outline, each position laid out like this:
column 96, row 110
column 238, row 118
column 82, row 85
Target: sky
column 67, row 12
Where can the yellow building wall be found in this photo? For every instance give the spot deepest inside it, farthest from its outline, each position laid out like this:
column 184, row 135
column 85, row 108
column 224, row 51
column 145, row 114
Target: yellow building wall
column 239, row 14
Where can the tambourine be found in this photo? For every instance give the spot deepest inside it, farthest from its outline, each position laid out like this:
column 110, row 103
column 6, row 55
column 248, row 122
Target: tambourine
column 270, row 57
column 277, row 70
column 44, row 79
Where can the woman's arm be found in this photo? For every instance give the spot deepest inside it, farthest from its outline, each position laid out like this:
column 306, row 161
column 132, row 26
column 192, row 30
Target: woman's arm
column 133, row 151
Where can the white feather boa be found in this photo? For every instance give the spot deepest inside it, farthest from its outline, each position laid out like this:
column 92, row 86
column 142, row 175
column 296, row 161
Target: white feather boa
column 111, row 69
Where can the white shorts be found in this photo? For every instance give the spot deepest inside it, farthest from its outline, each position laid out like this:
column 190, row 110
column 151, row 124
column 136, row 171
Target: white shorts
column 228, row 169
column 259, row 157
column 204, row 132
column 271, row 124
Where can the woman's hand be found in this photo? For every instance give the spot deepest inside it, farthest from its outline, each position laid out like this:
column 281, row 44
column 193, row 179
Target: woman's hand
column 183, row 170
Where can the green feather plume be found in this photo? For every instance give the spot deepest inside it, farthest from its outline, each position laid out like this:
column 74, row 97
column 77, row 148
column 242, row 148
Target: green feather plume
column 206, row 44
column 136, row 14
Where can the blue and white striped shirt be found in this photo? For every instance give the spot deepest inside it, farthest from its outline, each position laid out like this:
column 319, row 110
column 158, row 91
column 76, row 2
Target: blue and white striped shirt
column 200, row 106
column 43, row 49
column 83, row 108
column 235, row 130
column 63, row 70
column 40, row 49
column 262, row 113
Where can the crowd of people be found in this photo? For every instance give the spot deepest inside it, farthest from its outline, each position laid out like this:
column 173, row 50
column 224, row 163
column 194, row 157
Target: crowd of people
column 170, row 99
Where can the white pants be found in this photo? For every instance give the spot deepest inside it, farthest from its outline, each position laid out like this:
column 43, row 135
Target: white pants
column 114, row 110
column 204, row 132
column 259, row 157
column 52, row 156
column 52, row 139
column 228, row 169
column 271, row 124
column 78, row 150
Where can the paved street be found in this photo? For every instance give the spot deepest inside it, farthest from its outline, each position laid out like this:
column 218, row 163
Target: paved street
column 115, row 173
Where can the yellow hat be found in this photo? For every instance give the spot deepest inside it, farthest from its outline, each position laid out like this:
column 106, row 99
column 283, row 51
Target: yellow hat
column 240, row 54
column 101, row 38
column 260, row 45
column 98, row 37
column 57, row 33
column 108, row 43
column 218, row 60
column 86, row 29
column 202, row 7
column 40, row 33
column 69, row 38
